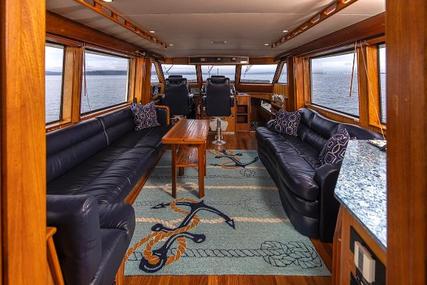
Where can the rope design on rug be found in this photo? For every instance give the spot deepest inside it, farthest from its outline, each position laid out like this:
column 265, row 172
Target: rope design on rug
column 155, row 259
column 275, row 253
column 236, row 163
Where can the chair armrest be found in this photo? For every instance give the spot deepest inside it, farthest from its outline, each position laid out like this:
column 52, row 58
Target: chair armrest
column 163, row 115
column 118, row 216
column 232, row 99
column 78, row 240
column 326, row 177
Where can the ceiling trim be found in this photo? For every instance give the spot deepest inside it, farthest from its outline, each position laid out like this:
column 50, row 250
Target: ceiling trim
column 324, row 14
column 109, row 13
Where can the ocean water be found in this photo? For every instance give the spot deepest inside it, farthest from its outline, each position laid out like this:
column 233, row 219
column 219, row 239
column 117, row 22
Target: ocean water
column 102, row 90
column 329, row 89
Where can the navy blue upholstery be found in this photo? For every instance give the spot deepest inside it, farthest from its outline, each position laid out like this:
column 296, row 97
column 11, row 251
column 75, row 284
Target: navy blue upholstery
column 218, row 96
column 92, row 167
column 177, row 96
column 306, row 187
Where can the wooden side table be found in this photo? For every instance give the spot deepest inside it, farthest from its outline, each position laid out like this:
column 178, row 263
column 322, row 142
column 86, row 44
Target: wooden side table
column 188, row 139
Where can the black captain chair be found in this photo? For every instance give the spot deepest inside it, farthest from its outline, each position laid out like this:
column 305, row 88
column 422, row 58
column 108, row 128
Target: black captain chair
column 218, row 102
column 177, row 97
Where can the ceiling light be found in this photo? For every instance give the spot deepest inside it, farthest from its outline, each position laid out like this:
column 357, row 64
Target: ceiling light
column 152, row 32
column 285, row 31
column 266, row 44
column 171, row 45
column 108, row 1
column 244, row 62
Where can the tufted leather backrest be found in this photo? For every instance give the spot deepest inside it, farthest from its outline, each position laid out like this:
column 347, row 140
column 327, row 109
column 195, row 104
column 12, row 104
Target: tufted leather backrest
column 315, row 129
column 117, row 124
column 218, row 102
column 68, row 147
column 177, row 96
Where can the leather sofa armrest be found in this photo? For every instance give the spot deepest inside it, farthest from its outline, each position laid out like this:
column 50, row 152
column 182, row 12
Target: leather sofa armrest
column 118, row 216
column 163, row 115
column 78, row 239
column 326, row 176
column 269, row 125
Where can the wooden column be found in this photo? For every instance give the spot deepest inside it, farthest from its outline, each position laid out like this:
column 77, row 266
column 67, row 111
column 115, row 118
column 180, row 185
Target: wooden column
column 407, row 138
column 23, row 147
column 142, row 83
column 71, row 97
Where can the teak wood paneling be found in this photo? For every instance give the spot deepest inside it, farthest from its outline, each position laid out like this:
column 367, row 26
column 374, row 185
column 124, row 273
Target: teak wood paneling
column 58, row 25
column 406, row 29
column 23, row 148
column 369, row 28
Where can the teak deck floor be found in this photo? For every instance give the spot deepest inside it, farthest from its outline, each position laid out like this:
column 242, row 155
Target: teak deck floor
column 240, row 141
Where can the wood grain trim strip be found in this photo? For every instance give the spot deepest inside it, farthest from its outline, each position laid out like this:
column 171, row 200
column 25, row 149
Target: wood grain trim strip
column 324, row 14
column 112, row 15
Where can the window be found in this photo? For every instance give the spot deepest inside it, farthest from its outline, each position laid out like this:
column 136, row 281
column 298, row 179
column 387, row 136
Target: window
column 54, row 77
column 383, row 84
column 187, row 71
column 154, row 76
column 284, row 74
column 105, row 81
column 228, row 71
column 331, row 83
column 258, row 73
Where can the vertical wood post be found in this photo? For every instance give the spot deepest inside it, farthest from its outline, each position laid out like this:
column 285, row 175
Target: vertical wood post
column 23, row 147
column 406, row 26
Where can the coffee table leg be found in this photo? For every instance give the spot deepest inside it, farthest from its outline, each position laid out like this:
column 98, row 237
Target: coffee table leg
column 174, row 171
column 201, row 162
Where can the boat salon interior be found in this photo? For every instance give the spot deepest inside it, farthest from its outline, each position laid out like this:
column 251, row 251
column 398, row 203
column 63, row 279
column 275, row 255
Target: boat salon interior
column 213, row 142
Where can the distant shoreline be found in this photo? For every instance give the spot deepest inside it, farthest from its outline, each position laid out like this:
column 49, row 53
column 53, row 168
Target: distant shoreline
column 97, row 72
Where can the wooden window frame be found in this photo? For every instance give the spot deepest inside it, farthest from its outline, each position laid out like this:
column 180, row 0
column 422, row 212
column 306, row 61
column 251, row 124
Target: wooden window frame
column 325, row 109
column 129, row 92
column 368, row 84
column 61, row 102
column 273, row 80
column 279, row 71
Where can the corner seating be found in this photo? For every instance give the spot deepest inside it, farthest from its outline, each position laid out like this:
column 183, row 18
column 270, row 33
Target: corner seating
column 306, row 187
column 94, row 169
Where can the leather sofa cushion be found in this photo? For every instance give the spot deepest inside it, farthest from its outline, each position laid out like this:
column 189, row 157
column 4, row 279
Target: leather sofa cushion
column 109, row 175
column 69, row 147
column 298, row 174
column 117, row 124
column 151, row 137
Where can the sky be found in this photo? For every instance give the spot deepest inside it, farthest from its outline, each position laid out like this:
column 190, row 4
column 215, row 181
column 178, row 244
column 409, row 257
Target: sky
column 55, row 55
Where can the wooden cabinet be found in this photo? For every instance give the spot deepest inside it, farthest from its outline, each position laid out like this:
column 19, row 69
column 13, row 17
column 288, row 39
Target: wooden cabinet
column 348, row 231
column 243, row 112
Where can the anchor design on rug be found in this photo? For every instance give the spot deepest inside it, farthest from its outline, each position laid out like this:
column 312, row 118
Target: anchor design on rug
column 154, row 260
column 233, row 157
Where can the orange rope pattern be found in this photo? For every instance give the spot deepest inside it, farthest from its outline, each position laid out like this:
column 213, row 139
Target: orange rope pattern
column 156, row 237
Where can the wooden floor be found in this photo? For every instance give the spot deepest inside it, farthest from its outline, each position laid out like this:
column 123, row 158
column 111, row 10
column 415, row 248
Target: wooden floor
column 240, row 141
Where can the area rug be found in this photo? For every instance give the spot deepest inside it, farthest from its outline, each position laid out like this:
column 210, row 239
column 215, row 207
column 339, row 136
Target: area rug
column 239, row 228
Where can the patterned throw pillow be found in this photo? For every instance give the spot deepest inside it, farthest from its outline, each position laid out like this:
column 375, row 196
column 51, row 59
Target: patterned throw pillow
column 286, row 123
column 334, row 149
column 144, row 116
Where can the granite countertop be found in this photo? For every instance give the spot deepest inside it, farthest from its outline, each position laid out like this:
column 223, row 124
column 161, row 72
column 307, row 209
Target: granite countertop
column 362, row 187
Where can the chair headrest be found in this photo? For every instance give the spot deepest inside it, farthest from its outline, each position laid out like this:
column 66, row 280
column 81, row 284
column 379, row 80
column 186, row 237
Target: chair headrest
column 174, row 76
column 218, row 80
column 176, row 80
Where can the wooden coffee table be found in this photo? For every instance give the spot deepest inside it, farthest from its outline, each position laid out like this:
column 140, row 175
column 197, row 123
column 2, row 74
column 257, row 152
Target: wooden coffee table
column 188, row 140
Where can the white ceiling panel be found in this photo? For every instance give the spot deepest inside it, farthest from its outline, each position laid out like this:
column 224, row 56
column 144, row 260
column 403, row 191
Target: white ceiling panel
column 245, row 25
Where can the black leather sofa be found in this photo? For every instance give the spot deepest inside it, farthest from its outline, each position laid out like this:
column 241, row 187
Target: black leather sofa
column 306, row 187
column 91, row 168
